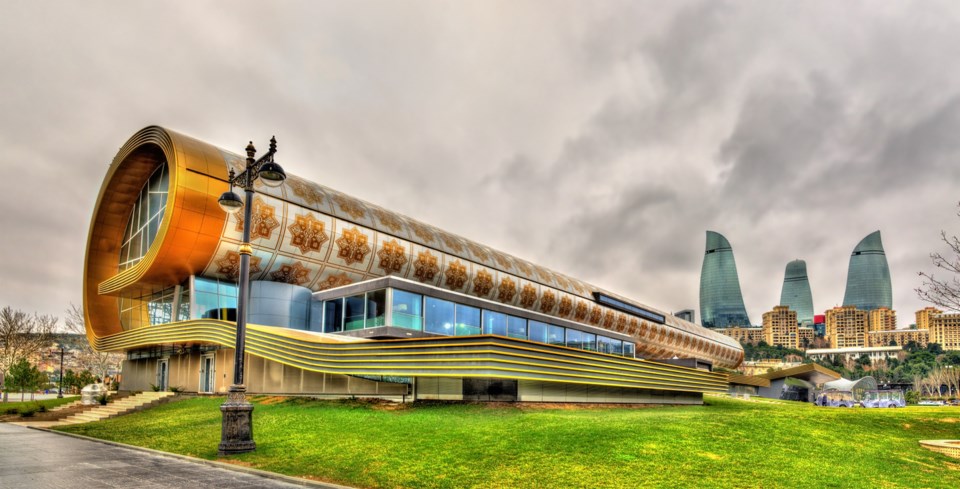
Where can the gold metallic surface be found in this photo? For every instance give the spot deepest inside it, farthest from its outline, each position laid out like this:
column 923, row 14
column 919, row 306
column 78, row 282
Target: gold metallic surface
column 245, row 249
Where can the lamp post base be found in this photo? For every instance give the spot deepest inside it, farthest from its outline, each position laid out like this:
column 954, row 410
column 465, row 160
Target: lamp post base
column 236, row 435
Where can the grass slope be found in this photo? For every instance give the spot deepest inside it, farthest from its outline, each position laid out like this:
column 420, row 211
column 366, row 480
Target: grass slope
column 727, row 443
column 49, row 403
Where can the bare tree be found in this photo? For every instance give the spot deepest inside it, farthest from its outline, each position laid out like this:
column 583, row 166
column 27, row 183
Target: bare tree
column 21, row 336
column 98, row 362
column 944, row 292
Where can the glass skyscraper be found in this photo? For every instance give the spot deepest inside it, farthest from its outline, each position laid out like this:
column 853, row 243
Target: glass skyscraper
column 721, row 303
column 868, row 277
column 795, row 293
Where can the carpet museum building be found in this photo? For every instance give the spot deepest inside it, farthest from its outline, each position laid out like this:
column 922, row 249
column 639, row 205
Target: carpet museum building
column 351, row 299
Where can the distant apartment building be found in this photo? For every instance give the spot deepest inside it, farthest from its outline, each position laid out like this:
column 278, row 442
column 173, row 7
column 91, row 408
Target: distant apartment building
column 881, row 319
column 923, row 316
column 846, row 327
column 805, row 336
column 898, row 337
column 744, row 335
column 820, row 325
column 945, row 330
column 780, row 327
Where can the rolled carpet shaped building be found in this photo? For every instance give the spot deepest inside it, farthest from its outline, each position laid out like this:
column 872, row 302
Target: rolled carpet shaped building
column 351, row 298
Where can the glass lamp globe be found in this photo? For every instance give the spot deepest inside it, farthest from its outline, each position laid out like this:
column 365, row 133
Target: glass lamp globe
column 272, row 174
column 230, row 202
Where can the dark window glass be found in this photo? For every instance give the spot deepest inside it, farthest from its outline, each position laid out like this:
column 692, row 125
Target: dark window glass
column 574, row 339
column 468, row 320
column 353, row 313
column 333, row 316
column 538, row 331
column 494, row 323
column 407, row 309
column 376, row 308
column 439, row 316
column 617, row 347
column 629, row 349
column 516, row 327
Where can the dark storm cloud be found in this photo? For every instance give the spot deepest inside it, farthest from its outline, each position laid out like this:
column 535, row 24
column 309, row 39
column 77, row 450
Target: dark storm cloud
column 601, row 140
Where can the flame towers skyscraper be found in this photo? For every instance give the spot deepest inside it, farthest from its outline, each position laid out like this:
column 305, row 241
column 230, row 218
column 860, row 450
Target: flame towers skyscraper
column 868, row 276
column 721, row 302
column 795, row 293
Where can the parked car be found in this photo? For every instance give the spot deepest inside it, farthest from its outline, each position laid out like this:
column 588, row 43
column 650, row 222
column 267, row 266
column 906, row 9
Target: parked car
column 834, row 398
column 883, row 399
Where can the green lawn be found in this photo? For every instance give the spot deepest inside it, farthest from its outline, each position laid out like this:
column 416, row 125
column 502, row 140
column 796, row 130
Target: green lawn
column 49, row 403
column 727, row 443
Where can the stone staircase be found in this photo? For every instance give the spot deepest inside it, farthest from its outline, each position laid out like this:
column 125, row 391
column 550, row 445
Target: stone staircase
column 66, row 406
column 122, row 406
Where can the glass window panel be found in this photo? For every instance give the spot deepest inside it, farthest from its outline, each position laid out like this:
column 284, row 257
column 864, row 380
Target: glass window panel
column 353, row 312
column 573, row 339
column 439, row 316
column 617, row 347
column 227, row 289
column 333, row 316
column 143, row 208
column 516, row 327
column 156, row 204
column 588, row 341
column 629, row 349
column 555, row 335
column 468, row 320
column 205, row 285
column 207, row 305
column 376, row 308
column 407, row 309
column 538, row 331
column 494, row 323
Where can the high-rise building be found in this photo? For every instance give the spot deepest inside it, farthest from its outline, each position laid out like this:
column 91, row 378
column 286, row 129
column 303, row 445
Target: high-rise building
column 882, row 319
column 795, row 293
column 846, row 327
column 780, row 327
column 868, row 276
column 721, row 303
column 945, row 331
column 820, row 325
column 923, row 316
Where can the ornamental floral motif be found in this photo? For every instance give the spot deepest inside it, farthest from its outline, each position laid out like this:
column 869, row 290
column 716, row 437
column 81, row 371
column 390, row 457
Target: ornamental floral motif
column 528, row 296
column 421, row 231
column 523, row 267
column 305, row 191
column 352, row 246
column 543, row 274
column 332, row 281
column 621, row 323
column 456, row 275
column 595, row 314
column 578, row 286
column 295, row 273
column 608, row 318
column 262, row 220
column 482, row 283
column 566, row 306
column 425, row 267
column 229, row 265
column 389, row 220
column 392, row 256
column 547, row 302
column 507, row 290
column 478, row 251
column 307, row 233
column 561, row 281
column 581, row 312
column 451, row 243
column 633, row 326
column 350, row 206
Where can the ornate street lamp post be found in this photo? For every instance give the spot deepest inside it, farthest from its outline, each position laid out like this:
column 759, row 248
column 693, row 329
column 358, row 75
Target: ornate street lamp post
column 236, row 434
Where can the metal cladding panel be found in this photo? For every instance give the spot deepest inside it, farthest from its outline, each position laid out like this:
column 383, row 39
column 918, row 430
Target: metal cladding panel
column 312, row 236
column 721, row 302
column 868, row 276
column 795, row 293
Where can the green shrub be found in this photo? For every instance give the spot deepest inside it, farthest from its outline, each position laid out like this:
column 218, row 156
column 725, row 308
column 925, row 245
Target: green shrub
column 155, row 387
column 28, row 410
column 176, row 390
column 102, row 399
column 11, row 410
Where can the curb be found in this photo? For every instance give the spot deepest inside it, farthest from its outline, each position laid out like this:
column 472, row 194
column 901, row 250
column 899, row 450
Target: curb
column 212, row 463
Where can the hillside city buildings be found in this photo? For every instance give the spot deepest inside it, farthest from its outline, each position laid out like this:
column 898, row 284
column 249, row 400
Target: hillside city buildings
column 865, row 324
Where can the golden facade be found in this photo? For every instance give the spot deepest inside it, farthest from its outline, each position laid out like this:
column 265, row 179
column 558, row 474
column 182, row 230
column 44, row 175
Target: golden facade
column 923, row 316
column 882, row 319
column 898, row 337
column 780, row 327
column 945, row 330
column 846, row 327
column 743, row 334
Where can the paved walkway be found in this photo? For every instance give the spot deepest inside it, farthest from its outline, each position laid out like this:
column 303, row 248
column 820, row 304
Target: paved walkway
column 31, row 459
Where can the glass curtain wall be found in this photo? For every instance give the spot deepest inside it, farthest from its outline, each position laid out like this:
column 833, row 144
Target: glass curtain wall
column 145, row 218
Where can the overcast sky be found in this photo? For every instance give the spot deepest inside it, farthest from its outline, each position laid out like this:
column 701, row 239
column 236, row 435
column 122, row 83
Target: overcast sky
column 601, row 139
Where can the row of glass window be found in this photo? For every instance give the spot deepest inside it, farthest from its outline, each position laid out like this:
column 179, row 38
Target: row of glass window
column 153, row 308
column 433, row 315
column 145, row 218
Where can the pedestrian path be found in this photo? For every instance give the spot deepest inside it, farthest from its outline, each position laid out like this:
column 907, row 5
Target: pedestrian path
column 38, row 459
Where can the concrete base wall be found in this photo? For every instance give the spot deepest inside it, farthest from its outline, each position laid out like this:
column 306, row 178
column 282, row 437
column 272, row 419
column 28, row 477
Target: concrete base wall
column 451, row 389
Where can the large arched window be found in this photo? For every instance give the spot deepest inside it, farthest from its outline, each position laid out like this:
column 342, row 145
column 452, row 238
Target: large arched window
column 145, row 218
